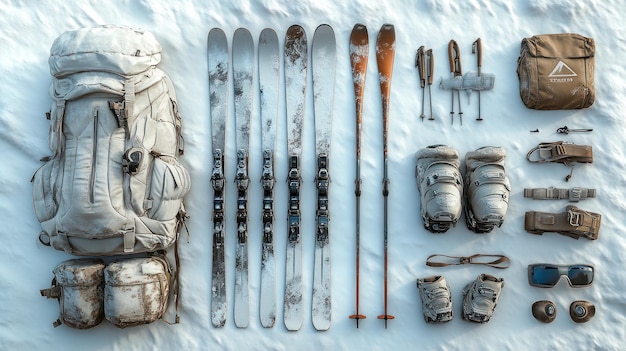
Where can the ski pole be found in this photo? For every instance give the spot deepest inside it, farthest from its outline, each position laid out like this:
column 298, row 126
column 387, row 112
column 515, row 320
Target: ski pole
column 477, row 49
column 421, row 69
column 359, row 50
column 385, row 51
column 430, row 70
column 454, row 56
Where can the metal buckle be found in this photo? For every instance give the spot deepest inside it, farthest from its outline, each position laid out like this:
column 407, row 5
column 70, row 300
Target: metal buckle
column 465, row 260
column 575, row 194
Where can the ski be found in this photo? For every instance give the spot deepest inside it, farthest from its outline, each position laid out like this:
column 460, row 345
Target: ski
column 217, row 59
column 269, row 77
column 385, row 51
column 323, row 60
column 243, row 71
column 296, row 62
column 359, row 51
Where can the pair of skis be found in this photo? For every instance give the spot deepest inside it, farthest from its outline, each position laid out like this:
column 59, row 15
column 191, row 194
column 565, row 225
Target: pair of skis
column 296, row 67
column 359, row 51
column 323, row 58
column 243, row 71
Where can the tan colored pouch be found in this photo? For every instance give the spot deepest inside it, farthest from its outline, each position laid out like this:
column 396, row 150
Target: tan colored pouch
column 556, row 71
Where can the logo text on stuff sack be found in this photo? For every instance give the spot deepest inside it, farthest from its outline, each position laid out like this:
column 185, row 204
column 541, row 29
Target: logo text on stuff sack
column 562, row 73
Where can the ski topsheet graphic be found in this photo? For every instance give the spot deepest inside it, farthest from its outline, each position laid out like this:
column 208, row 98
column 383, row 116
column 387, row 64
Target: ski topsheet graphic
column 243, row 72
column 359, row 51
column 323, row 59
column 217, row 59
column 269, row 77
column 296, row 63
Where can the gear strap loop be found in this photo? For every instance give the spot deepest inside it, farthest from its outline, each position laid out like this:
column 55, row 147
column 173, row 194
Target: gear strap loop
column 561, row 152
column 498, row 261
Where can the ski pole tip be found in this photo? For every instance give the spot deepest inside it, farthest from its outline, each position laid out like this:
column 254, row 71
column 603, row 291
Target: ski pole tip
column 386, row 317
column 357, row 317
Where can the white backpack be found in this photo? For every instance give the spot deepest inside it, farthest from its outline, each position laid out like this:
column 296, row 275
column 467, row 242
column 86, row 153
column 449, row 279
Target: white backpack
column 114, row 184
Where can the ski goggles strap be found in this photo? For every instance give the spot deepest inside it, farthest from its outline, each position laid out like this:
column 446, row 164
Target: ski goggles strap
column 495, row 261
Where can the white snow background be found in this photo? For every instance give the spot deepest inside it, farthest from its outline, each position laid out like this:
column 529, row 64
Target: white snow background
column 28, row 29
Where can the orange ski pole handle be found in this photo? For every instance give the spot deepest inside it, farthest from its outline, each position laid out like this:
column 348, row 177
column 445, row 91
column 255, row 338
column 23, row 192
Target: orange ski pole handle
column 454, row 55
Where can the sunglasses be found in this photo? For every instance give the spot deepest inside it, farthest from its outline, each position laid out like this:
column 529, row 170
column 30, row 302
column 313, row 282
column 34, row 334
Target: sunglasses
column 545, row 275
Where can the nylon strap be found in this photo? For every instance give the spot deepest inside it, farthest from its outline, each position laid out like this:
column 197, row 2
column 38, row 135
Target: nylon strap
column 495, row 261
column 561, row 152
column 572, row 194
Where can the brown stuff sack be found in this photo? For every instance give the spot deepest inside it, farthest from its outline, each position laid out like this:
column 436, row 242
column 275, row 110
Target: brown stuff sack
column 556, row 71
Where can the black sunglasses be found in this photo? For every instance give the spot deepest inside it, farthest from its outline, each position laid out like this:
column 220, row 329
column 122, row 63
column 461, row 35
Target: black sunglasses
column 546, row 275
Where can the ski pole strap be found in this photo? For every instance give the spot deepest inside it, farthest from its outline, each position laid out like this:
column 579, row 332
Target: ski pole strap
column 495, row 261
column 561, row 152
column 572, row 194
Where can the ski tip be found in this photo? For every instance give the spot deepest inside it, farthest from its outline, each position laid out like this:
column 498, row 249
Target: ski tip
column 359, row 36
column 217, row 31
column 387, row 27
column 324, row 27
column 242, row 34
column 268, row 33
column 359, row 27
column 295, row 30
column 217, row 36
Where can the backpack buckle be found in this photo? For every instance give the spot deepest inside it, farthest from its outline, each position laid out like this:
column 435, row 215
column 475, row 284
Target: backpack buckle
column 131, row 162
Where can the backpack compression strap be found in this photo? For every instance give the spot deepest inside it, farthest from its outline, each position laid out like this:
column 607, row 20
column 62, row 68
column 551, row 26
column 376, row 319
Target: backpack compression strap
column 574, row 222
column 497, row 261
column 573, row 194
column 562, row 152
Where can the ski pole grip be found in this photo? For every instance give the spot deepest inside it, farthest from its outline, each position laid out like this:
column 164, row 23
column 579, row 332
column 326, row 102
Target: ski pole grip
column 419, row 62
column 451, row 54
column 477, row 48
column 431, row 66
column 454, row 55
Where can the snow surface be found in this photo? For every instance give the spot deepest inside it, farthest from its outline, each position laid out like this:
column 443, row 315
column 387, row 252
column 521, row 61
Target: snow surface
column 29, row 28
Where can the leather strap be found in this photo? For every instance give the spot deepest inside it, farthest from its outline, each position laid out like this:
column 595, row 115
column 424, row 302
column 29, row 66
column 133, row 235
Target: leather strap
column 572, row 194
column 574, row 222
column 561, row 152
column 497, row 261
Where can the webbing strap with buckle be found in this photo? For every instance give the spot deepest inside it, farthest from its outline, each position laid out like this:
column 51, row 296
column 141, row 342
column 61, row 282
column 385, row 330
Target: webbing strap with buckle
column 497, row 261
column 572, row 194
column 574, row 222
column 561, row 152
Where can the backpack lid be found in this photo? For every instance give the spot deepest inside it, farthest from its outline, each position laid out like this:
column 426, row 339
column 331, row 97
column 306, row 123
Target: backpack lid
column 564, row 45
column 121, row 50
